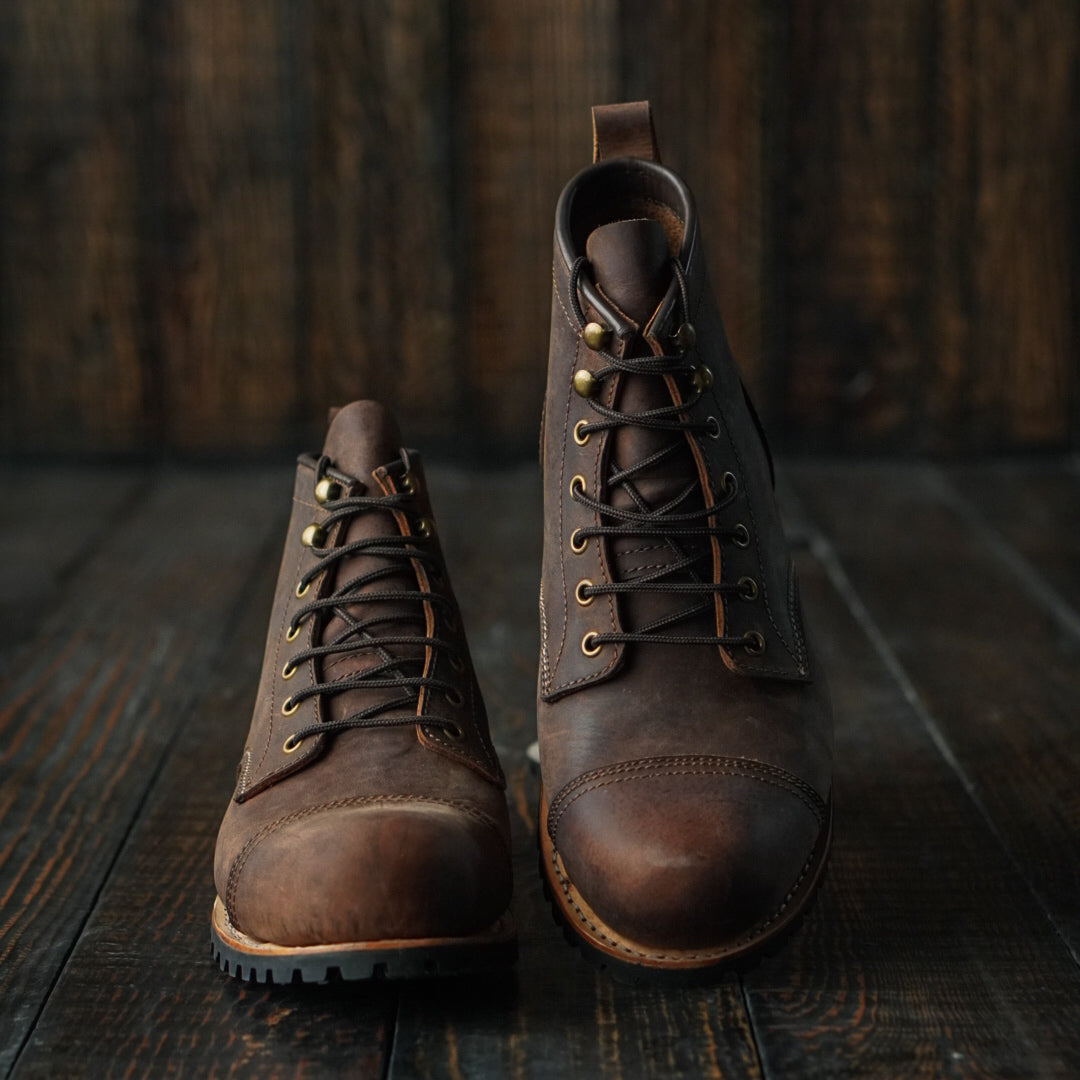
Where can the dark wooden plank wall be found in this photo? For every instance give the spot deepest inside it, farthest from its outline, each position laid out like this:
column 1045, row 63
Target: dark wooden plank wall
column 218, row 217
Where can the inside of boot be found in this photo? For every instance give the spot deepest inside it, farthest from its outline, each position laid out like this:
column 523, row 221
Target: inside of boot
column 625, row 192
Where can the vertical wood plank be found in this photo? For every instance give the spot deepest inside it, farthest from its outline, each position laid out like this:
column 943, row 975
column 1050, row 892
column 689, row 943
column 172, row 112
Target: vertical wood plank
column 382, row 261
column 530, row 71
column 1005, row 260
column 220, row 252
column 859, row 220
column 714, row 73
column 70, row 324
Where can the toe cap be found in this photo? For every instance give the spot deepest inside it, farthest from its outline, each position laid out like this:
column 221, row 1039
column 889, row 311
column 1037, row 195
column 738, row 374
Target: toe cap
column 376, row 871
column 686, row 854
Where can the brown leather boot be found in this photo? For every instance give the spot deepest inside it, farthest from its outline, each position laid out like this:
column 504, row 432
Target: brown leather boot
column 368, row 833
column 685, row 730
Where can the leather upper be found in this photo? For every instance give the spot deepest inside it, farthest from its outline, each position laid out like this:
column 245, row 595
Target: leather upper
column 686, row 782
column 371, row 832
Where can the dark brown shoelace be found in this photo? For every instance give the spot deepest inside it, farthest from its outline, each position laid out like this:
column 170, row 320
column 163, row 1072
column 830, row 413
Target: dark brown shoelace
column 683, row 575
column 391, row 557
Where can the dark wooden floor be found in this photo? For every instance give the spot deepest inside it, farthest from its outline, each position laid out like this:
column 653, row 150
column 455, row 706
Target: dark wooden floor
column 945, row 941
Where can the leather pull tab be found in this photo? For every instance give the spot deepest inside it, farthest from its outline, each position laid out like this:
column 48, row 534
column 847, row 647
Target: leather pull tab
column 624, row 130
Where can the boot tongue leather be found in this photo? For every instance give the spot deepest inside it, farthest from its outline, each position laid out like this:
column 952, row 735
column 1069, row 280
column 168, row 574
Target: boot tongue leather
column 364, row 436
column 631, row 266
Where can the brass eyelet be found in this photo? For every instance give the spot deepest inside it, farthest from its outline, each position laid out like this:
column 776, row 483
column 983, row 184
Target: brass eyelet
column 326, row 490
column 578, row 543
column 714, row 427
column 579, row 592
column 425, row 527
column 729, row 484
column 456, row 664
column 741, row 537
column 288, row 707
column 580, row 439
column 579, row 480
column 455, row 732
column 288, row 671
column 684, row 337
column 586, row 384
column 748, row 588
column 292, row 633
column 589, row 646
column 702, row 378
column 596, row 335
column 455, row 698
column 409, row 484
column 292, row 744
column 754, row 643
column 304, row 591
column 313, row 535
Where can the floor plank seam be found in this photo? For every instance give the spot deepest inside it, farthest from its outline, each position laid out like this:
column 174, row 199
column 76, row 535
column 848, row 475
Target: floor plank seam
column 94, row 543
column 824, row 552
column 390, row 1040
column 1037, row 588
column 751, row 1026
column 244, row 594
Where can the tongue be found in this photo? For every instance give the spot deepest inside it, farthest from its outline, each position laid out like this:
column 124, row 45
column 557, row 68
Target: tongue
column 362, row 437
column 631, row 265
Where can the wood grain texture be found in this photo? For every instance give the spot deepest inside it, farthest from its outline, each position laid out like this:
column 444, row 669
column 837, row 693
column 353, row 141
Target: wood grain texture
column 51, row 520
column 217, row 218
column 70, row 318
column 1006, row 224
column 530, row 70
column 997, row 673
column 718, row 108
column 140, row 994
column 220, row 247
column 859, row 219
column 942, row 943
column 927, row 954
column 89, row 705
column 1034, row 507
column 381, row 257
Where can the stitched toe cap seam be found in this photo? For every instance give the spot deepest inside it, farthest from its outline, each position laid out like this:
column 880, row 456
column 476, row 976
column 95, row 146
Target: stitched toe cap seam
column 660, row 768
column 274, row 826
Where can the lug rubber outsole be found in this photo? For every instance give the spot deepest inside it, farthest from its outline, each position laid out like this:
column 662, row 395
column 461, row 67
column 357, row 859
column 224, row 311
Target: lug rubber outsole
column 246, row 958
column 604, row 948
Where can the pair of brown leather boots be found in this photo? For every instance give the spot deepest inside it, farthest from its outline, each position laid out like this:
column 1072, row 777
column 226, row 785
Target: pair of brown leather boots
column 684, row 729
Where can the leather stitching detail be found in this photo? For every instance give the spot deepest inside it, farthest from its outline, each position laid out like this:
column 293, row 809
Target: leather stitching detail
column 337, row 804
column 797, row 656
column 656, row 768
